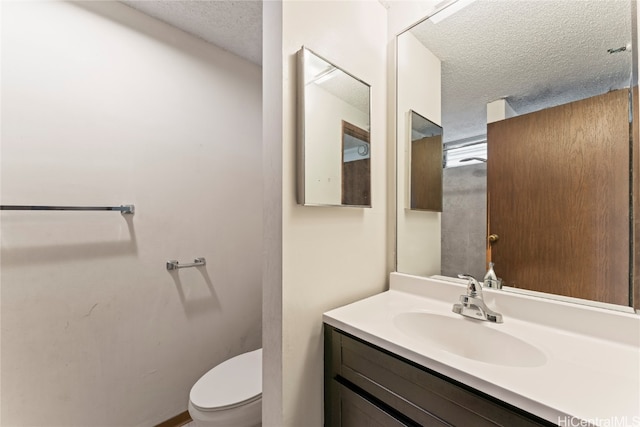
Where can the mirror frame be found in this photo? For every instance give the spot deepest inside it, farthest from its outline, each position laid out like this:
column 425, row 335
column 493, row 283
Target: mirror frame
column 301, row 130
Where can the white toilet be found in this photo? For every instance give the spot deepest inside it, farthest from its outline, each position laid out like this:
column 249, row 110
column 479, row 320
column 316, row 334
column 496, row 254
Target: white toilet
column 230, row 394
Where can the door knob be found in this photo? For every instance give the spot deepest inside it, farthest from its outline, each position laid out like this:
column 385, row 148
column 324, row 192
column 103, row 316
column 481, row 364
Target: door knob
column 493, row 238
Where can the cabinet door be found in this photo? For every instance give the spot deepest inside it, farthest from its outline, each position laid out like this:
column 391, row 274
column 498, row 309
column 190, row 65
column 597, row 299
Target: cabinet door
column 359, row 412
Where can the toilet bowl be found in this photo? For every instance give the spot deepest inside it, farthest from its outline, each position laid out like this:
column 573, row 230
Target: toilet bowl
column 230, row 394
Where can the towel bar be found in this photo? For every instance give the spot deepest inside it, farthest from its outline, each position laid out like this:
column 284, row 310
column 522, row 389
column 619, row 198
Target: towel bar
column 124, row 209
column 174, row 265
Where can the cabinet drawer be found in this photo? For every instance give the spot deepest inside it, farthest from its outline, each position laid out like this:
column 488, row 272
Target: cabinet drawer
column 358, row 412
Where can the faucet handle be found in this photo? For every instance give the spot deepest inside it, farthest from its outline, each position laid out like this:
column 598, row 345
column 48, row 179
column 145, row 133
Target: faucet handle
column 474, row 289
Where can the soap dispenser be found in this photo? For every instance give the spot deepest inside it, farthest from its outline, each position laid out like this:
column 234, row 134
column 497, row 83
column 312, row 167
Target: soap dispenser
column 491, row 279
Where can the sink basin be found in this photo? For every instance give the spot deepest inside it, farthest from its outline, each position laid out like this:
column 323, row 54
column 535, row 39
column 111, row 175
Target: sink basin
column 469, row 338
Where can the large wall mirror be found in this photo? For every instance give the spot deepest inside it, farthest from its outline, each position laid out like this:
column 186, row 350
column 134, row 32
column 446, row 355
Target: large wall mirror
column 540, row 163
column 334, row 148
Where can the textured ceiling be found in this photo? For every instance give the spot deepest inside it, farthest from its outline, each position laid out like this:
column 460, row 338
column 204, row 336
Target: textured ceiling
column 336, row 81
column 235, row 26
column 534, row 53
column 349, row 89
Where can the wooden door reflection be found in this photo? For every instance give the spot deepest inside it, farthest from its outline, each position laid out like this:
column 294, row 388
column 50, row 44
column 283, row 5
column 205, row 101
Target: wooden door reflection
column 558, row 198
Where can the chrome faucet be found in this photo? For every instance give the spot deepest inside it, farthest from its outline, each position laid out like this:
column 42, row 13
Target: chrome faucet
column 472, row 304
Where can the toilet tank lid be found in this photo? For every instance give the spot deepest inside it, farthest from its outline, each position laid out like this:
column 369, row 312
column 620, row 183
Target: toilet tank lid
column 229, row 384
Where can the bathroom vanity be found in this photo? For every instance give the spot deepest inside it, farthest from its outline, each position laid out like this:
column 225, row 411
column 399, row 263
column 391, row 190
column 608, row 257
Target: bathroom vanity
column 403, row 358
column 368, row 386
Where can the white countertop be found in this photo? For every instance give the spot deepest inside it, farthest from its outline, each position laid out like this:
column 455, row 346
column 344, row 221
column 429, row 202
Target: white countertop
column 592, row 368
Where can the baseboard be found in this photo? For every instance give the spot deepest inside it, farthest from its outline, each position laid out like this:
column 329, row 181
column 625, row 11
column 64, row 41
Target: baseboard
column 177, row 421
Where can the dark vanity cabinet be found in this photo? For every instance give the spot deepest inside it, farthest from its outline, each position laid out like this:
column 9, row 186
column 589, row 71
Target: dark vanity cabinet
column 367, row 386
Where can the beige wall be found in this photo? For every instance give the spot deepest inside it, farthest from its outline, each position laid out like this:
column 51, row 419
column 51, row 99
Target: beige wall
column 272, row 260
column 401, row 15
column 330, row 256
column 418, row 232
column 102, row 105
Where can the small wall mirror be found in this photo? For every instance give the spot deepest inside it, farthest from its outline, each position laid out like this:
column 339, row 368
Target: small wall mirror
column 334, row 148
column 425, row 164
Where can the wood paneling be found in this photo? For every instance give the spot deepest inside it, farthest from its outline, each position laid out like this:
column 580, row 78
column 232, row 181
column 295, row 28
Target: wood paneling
column 426, row 174
column 356, row 188
column 558, row 197
column 356, row 175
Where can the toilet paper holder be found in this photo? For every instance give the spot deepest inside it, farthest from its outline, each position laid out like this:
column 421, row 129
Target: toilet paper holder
column 174, row 265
